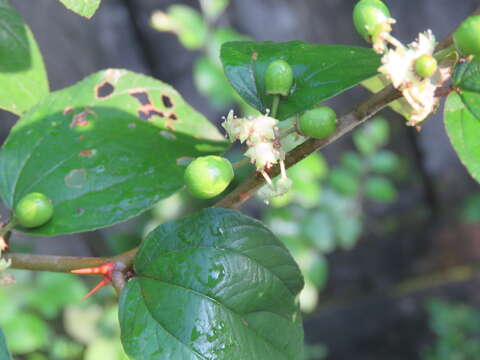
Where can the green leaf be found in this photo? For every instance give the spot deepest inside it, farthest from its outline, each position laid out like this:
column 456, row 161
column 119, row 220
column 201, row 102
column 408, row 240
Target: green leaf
column 4, row 353
column 104, row 150
column 463, row 129
column 211, row 82
column 84, row 8
column 344, row 182
column 213, row 8
column 380, row 189
column 372, row 136
column 351, row 161
column 319, row 229
column 184, row 21
column 23, row 77
column 215, row 285
column 26, row 333
column 321, row 71
column 384, row 162
column 53, row 292
column 467, row 78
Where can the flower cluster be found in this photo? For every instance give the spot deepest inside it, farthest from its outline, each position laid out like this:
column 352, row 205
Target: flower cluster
column 260, row 134
column 398, row 65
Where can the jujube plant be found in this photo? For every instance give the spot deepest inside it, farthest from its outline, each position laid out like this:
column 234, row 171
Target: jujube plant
column 216, row 283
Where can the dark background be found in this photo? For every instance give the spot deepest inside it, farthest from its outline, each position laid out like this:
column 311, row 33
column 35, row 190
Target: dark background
column 373, row 307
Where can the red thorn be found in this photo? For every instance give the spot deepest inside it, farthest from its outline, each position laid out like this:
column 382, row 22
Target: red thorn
column 102, row 283
column 104, row 269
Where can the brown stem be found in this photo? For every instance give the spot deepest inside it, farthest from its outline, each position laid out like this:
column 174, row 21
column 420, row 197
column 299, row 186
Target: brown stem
column 346, row 123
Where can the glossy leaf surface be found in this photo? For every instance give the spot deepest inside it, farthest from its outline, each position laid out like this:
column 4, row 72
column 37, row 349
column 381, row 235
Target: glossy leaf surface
column 103, row 150
column 23, row 77
column 463, row 128
column 215, row 285
column 467, row 79
column 320, row 71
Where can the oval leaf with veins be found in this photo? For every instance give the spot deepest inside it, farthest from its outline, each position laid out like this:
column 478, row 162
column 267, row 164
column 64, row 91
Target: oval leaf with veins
column 216, row 285
column 103, row 150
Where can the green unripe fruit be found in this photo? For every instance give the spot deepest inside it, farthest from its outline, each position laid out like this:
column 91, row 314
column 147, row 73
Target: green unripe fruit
column 278, row 78
column 33, row 210
column 368, row 15
column 467, row 36
column 208, row 176
column 318, row 123
column 425, row 66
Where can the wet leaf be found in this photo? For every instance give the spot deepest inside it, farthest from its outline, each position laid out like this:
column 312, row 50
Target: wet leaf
column 467, row 78
column 463, row 129
column 215, row 285
column 4, row 353
column 23, row 77
column 84, row 8
column 320, row 71
column 104, row 150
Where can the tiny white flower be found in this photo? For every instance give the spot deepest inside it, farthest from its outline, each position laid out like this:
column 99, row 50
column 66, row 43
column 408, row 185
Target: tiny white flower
column 263, row 154
column 399, row 67
column 236, row 128
column 262, row 128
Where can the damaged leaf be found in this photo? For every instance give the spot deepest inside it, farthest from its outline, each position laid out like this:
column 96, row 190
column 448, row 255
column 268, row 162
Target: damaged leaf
column 100, row 161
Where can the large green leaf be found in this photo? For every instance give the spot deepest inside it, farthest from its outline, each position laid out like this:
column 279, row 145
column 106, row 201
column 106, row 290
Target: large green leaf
column 104, row 150
column 4, row 354
column 82, row 7
column 22, row 73
column 467, row 79
column 463, row 128
column 216, row 285
column 321, row 71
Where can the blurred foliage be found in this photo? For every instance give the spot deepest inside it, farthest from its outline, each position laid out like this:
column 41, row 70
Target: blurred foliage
column 457, row 330
column 324, row 210
column 198, row 30
column 471, row 209
column 43, row 318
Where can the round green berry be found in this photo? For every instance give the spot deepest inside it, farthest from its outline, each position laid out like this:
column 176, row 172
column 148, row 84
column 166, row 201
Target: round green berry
column 467, row 36
column 318, row 123
column 368, row 15
column 426, row 66
column 208, row 176
column 33, row 210
column 278, row 78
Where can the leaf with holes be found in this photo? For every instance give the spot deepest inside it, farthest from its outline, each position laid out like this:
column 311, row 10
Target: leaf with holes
column 215, row 285
column 4, row 353
column 463, row 129
column 104, row 150
column 23, row 77
column 320, row 71
column 84, row 8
